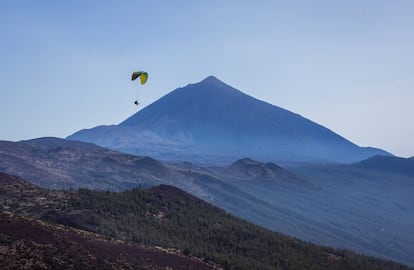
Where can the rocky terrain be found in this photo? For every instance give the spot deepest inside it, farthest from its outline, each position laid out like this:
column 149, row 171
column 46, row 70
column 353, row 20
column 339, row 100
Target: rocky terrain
column 27, row 243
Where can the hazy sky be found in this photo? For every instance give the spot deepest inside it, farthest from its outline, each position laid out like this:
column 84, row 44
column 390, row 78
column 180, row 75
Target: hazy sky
column 348, row 65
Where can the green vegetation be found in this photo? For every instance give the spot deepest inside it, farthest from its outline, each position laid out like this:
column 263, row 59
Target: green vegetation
column 168, row 217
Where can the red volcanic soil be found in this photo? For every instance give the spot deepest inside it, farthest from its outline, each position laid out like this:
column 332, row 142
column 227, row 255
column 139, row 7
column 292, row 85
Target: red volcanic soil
column 88, row 246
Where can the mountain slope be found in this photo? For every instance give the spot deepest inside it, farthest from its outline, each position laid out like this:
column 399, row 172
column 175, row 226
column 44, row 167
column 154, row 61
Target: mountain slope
column 32, row 244
column 166, row 216
column 343, row 206
column 254, row 170
column 27, row 242
column 210, row 121
column 389, row 164
column 61, row 164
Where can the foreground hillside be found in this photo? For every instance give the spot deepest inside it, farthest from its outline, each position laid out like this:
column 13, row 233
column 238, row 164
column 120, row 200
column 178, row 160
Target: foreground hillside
column 166, row 216
column 27, row 243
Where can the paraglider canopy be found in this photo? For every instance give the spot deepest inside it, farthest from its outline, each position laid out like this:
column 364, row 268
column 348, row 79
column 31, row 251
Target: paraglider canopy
column 143, row 76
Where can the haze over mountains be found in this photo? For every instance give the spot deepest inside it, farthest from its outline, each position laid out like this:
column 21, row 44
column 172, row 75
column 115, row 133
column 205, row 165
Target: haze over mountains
column 255, row 160
column 387, row 164
column 355, row 206
column 211, row 122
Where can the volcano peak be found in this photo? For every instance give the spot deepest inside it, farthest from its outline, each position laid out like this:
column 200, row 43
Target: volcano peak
column 213, row 121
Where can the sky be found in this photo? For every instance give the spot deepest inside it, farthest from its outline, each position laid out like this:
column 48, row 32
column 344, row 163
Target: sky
column 347, row 65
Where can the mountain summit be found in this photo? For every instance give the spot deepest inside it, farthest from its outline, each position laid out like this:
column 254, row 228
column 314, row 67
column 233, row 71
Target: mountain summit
column 212, row 122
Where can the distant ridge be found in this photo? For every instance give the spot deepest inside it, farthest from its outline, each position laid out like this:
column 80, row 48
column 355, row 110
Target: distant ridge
column 389, row 164
column 212, row 122
column 61, row 164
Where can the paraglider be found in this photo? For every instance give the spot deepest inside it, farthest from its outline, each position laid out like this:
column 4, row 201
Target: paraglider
column 143, row 76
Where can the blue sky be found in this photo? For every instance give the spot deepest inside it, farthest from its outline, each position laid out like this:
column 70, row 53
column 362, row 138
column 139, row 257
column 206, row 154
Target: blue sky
column 348, row 65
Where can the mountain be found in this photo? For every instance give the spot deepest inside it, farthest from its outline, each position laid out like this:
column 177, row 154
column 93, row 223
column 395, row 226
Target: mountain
column 214, row 123
column 338, row 205
column 158, row 228
column 61, row 164
column 254, row 170
column 389, row 164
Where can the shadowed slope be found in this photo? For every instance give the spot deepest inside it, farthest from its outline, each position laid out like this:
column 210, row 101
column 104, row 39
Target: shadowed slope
column 165, row 216
column 389, row 164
